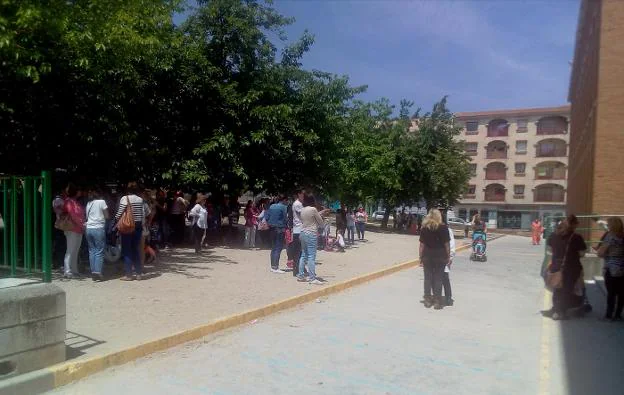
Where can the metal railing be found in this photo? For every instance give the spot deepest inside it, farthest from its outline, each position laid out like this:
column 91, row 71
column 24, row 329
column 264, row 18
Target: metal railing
column 26, row 238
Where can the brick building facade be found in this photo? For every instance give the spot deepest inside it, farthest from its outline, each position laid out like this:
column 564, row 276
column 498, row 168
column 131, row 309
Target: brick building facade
column 596, row 158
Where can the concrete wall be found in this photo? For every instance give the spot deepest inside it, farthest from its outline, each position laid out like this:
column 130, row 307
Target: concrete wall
column 32, row 327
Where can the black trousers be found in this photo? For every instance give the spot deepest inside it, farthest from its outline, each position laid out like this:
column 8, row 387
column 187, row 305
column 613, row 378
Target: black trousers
column 176, row 223
column 434, row 263
column 294, row 252
column 564, row 297
column 198, row 234
column 615, row 291
column 446, row 283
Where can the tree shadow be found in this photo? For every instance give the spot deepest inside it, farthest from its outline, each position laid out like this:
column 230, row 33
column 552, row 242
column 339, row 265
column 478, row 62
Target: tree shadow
column 76, row 343
column 593, row 350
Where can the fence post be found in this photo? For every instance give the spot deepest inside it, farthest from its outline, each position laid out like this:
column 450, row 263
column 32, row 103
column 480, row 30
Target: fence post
column 13, row 224
column 46, row 226
column 7, row 221
column 27, row 201
column 36, row 216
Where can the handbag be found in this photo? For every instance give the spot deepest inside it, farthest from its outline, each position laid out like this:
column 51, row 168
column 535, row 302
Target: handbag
column 554, row 280
column 263, row 225
column 126, row 222
column 64, row 223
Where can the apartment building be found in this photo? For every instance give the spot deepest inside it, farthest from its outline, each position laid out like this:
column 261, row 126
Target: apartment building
column 597, row 103
column 519, row 165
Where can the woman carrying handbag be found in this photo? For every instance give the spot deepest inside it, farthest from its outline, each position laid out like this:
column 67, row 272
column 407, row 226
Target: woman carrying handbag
column 130, row 216
column 564, row 271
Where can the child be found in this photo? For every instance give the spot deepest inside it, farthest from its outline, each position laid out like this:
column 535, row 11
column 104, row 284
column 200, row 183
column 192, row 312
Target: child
column 446, row 281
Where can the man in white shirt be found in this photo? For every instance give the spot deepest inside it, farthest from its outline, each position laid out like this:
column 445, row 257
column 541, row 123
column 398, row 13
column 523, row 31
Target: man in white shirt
column 296, row 231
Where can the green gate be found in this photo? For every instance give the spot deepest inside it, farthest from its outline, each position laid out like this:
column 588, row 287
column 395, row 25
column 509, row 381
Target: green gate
column 26, row 234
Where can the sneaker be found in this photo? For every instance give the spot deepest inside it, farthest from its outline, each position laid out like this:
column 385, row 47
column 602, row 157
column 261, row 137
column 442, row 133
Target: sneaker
column 126, row 278
column 302, row 279
column 316, row 281
column 139, row 277
column 449, row 302
column 68, row 276
column 277, row 271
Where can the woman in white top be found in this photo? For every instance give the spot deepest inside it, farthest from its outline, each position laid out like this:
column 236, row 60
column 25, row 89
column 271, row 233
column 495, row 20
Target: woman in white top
column 312, row 220
column 200, row 221
column 97, row 214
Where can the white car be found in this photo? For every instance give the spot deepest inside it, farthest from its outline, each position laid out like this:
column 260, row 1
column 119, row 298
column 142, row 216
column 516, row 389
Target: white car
column 459, row 227
column 379, row 215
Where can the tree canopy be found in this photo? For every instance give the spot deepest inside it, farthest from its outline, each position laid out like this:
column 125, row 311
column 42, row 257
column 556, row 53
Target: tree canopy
column 114, row 90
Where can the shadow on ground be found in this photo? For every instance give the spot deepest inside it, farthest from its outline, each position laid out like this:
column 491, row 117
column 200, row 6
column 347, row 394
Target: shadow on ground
column 593, row 350
column 75, row 344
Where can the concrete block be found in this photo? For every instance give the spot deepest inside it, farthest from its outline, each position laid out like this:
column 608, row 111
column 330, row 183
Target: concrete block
column 32, row 383
column 32, row 302
column 32, row 335
column 35, row 359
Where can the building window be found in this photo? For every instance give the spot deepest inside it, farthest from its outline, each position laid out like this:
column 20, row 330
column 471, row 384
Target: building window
column 498, row 128
column 471, row 148
column 473, row 169
column 495, row 193
column 485, row 215
column 551, row 148
column 472, row 127
column 522, row 125
column 472, row 190
column 462, row 213
column 518, row 190
column 520, row 168
column 521, row 147
column 549, row 193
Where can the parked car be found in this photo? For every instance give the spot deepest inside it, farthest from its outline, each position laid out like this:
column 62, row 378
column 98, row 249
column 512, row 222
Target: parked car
column 378, row 216
column 460, row 227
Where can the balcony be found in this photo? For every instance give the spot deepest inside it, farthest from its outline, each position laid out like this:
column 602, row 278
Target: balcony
column 550, row 171
column 552, row 126
column 495, row 193
column 549, row 193
column 496, row 171
column 551, row 148
column 496, row 150
column 498, row 128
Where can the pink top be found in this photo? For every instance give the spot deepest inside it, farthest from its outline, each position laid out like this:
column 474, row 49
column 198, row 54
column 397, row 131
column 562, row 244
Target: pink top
column 76, row 213
column 251, row 217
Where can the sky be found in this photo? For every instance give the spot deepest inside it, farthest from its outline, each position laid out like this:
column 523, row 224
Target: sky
column 483, row 54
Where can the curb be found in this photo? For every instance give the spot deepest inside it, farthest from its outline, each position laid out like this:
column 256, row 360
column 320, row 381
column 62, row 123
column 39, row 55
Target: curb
column 64, row 373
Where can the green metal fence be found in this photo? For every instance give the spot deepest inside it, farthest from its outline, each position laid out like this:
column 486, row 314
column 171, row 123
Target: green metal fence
column 26, row 237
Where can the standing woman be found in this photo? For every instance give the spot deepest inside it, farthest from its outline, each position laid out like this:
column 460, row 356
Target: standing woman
column 73, row 211
column 251, row 219
column 360, row 222
column 311, row 220
column 351, row 227
column 567, row 249
column 130, row 242
column 536, row 230
column 435, row 254
column 200, row 221
column 97, row 214
column 178, row 211
column 612, row 250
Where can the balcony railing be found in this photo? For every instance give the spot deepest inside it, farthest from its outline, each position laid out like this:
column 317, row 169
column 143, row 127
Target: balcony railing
column 496, row 155
column 495, row 175
column 494, row 197
column 549, row 130
column 498, row 132
column 551, row 153
column 549, row 197
column 550, row 174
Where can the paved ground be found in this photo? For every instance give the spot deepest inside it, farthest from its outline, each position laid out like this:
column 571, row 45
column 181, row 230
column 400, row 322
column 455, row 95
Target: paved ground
column 185, row 291
column 378, row 339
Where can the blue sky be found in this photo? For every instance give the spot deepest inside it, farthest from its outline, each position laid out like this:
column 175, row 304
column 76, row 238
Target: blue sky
column 483, row 54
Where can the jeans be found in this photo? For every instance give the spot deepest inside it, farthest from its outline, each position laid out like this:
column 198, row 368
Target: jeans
column 71, row 252
column 361, row 227
column 250, row 237
column 130, row 248
column 96, row 240
column 615, row 290
column 308, row 254
column 294, row 252
column 277, row 244
column 351, row 234
column 434, row 263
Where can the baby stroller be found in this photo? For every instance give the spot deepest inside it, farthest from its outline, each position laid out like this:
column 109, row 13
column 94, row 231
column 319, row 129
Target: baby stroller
column 479, row 246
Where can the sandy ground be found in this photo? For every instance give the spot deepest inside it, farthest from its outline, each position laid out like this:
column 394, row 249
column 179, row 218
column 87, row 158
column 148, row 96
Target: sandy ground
column 185, row 290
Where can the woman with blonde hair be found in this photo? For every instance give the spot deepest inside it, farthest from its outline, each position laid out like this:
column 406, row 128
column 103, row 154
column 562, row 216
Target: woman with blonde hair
column 435, row 254
column 612, row 250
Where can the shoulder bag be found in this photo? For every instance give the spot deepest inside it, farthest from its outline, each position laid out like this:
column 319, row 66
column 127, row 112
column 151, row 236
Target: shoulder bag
column 554, row 280
column 126, row 222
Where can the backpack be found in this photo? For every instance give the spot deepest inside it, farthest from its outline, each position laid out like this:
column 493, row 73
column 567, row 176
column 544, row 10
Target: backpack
column 126, row 222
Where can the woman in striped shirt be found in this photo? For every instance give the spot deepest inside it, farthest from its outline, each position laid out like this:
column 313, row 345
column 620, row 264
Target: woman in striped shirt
column 130, row 243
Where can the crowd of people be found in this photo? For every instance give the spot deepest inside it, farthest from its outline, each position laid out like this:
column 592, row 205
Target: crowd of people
column 136, row 224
